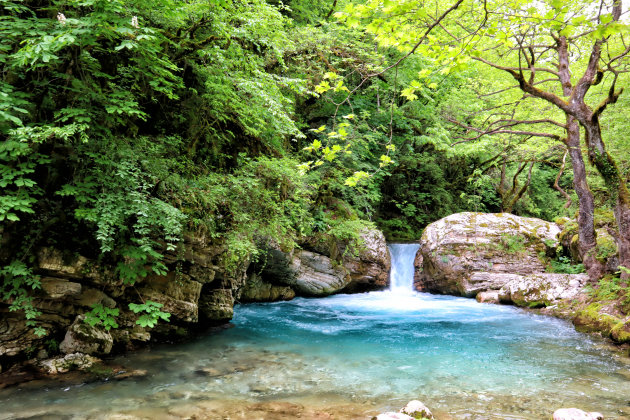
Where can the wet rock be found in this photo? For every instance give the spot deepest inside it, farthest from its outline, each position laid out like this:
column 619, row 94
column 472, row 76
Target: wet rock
column 542, row 289
column 258, row 290
column 84, row 338
column 457, row 246
column 67, row 363
column 575, row 414
column 418, row 272
column 209, row 372
column 491, row 296
column 217, row 305
column 417, row 409
column 134, row 373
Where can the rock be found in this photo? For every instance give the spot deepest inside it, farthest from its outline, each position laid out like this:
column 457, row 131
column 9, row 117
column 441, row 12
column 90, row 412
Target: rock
column 90, row 297
column 417, row 409
column 542, row 289
column 59, row 288
column 484, row 281
column 216, row 305
column 258, row 290
column 461, row 244
column 393, row 416
column 210, row 372
column 83, row 338
column 134, row 373
column 52, row 261
column 177, row 292
column 369, row 270
column 491, row 296
column 604, row 318
column 316, row 274
column 418, row 272
column 575, row 414
column 63, row 364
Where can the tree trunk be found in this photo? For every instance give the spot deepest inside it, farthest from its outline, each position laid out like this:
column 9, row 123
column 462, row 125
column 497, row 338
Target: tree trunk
column 587, row 238
column 616, row 185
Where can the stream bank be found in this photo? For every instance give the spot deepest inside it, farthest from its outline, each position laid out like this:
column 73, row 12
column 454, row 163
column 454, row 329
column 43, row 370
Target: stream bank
column 197, row 292
column 502, row 258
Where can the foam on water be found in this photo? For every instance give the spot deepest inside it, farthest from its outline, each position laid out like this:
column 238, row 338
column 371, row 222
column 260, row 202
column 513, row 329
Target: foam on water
column 472, row 360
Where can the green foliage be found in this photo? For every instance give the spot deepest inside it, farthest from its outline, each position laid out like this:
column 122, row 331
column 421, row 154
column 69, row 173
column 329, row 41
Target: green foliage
column 610, row 288
column 512, row 244
column 150, row 313
column 563, row 264
column 17, row 281
column 102, row 315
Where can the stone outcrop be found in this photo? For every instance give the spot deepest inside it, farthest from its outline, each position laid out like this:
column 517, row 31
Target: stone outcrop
column 466, row 253
column 369, row 270
column 542, row 289
column 491, row 296
column 319, row 269
column 258, row 290
column 317, row 275
column 67, row 363
column 196, row 291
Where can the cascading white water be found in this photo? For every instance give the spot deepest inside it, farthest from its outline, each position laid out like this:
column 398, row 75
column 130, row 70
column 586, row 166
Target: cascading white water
column 401, row 273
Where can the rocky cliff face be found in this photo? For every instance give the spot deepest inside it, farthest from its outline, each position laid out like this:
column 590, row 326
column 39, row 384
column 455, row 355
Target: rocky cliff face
column 458, row 250
column 196, row 292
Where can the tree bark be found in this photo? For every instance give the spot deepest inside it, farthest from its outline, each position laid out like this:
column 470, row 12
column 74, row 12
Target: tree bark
column 616, row 186
column 587, row 238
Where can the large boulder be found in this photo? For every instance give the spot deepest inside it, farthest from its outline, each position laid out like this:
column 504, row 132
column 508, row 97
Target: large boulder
column 542, row 289
column 320, row 269
column 177, row 292
column 317, row 275
column 458, row 246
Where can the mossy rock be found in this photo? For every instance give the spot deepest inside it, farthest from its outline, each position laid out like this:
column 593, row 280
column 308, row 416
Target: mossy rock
column 591, row 319
column 606, row 245
column 605, row 218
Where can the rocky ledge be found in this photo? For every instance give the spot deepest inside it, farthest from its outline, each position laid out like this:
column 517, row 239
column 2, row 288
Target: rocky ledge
column 197, row 293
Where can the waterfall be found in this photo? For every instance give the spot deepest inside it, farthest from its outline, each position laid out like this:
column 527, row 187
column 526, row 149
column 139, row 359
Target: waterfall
column 401, row 274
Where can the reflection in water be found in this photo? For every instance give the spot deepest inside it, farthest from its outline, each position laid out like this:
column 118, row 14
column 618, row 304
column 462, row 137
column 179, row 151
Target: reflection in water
column 366, row 353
